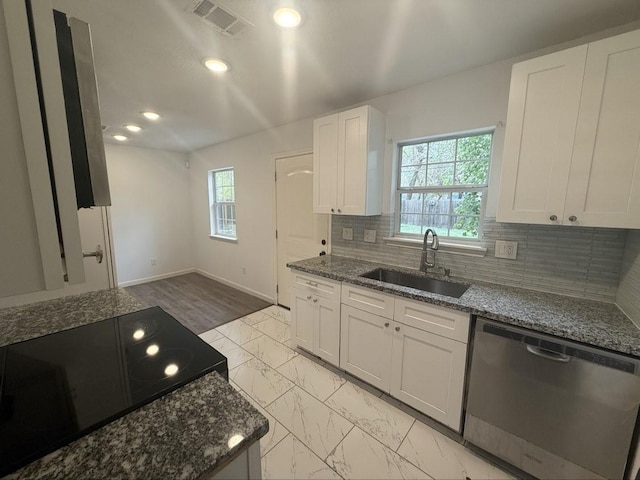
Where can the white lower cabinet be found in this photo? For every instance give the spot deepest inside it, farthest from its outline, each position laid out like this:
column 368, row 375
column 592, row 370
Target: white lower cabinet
column 315, row 324
column 428, row 373
column 365, row 345
column 415, row 351
column 418, row 356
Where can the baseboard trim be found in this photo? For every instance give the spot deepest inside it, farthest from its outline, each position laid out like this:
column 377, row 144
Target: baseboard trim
column 156, row 277
column 250, row 291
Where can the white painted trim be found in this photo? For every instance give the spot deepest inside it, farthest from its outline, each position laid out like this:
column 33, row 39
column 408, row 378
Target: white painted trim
column 24, row 76
column 242, row 288
column 156, row 277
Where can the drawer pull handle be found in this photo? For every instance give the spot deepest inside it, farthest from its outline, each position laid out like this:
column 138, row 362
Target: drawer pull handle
column 386, row 324
column 397, row 329
column 313, row 284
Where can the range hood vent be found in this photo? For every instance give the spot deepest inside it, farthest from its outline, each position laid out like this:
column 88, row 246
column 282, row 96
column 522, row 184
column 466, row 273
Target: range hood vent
column 220, row 18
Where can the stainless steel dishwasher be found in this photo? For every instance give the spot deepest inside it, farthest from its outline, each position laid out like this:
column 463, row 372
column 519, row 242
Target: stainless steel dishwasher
column 553, row 408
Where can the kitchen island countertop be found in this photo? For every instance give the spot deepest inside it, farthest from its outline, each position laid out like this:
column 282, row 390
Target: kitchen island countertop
column 191, row 432
column 588, row 321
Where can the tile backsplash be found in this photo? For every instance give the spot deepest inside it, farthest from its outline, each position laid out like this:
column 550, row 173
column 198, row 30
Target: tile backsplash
column 580, row 262
column 628, row 297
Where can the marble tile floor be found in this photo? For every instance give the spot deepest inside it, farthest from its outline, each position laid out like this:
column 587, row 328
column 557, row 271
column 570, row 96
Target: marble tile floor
column 323, row 423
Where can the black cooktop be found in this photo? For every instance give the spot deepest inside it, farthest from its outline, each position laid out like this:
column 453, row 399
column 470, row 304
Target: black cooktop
column 57, row 388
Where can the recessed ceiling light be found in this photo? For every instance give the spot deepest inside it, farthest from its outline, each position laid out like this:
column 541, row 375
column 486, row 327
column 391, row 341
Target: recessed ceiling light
column 287, row 17
column 133, row 128
column 121, row 138
column 216, row 65
column 151, row 115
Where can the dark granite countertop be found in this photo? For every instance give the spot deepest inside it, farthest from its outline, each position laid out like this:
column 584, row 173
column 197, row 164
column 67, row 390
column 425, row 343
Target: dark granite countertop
column 588, row 321
column 184, row 434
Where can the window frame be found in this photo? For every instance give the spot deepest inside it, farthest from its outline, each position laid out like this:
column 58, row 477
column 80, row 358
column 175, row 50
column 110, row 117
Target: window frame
column 214, row 203
column 399, row 190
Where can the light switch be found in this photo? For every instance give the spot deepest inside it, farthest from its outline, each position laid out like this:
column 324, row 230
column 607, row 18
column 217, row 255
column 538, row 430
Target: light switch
column 370, row 236
column 506, row 249
column 347, row 233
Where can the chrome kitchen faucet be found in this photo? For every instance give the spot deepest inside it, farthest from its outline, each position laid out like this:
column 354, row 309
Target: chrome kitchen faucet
column 424, row 263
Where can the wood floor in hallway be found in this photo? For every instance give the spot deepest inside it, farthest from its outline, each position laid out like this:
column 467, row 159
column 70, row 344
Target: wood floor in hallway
column 198, row 302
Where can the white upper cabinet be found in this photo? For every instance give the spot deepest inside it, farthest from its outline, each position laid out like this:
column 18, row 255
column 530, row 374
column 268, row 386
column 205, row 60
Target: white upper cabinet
column 348, row 154
column 572, row 143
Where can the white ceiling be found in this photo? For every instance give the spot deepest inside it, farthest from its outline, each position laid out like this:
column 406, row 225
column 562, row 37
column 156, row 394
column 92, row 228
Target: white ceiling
column 148, row 56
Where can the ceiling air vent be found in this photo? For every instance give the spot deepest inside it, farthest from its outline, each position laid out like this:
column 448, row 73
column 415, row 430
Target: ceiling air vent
column 219, row 17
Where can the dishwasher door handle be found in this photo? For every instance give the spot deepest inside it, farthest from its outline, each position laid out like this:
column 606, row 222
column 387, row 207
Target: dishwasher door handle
column 548, row 354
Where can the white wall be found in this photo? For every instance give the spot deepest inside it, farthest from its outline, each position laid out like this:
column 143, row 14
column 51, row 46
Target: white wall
column 150, row 213
column 253, row 160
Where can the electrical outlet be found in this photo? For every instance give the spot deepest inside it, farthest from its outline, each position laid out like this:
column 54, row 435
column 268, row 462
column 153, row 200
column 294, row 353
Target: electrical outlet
column 347, row 233
column 506, row 249
column 154, row 261
column 370, row 236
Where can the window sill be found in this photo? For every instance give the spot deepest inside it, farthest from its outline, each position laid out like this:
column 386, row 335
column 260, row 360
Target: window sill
column 224, row 239
column 445, row 246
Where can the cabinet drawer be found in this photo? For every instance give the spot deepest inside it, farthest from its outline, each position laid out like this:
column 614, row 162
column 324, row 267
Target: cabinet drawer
column 431, row 318
column 368, row 300
column 323, row 287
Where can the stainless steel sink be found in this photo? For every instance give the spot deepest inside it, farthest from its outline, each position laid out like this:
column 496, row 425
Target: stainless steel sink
column 441, row 287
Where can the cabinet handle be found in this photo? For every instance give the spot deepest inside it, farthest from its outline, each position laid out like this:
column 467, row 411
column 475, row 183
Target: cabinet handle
column 315, row 300
column 386, row 324
column 332, row 210
column 308, row 297
column 553, row 218
column 339, row 211
column 573, row 218
column 397, row 329
column 313, row 284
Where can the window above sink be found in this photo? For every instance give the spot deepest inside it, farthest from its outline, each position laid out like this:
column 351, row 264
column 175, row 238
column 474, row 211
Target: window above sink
column 442, row 184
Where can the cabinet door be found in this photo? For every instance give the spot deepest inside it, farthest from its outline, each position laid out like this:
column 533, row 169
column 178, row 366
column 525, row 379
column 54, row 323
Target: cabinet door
column 428, row 373
column 327, row 332
column 302, row 319
column 325, row 163
column 604, row 187
column 544, row 101
column 365, row 346
column 352, row 161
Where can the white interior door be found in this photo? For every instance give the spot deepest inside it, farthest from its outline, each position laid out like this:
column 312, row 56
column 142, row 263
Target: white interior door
column 301, row 232
column 94, row 231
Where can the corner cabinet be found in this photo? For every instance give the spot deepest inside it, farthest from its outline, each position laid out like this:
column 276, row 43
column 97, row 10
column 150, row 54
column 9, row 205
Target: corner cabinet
column 572, row 141
column 348, row 157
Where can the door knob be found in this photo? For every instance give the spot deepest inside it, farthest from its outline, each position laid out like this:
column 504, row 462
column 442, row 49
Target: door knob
column 323, row 241
column 553, row 218
column 99, row 254
column 339, row 211
column 322, row 253
column 332, row 210
column 386, row 324
column 397, row 329
column 573, row 218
